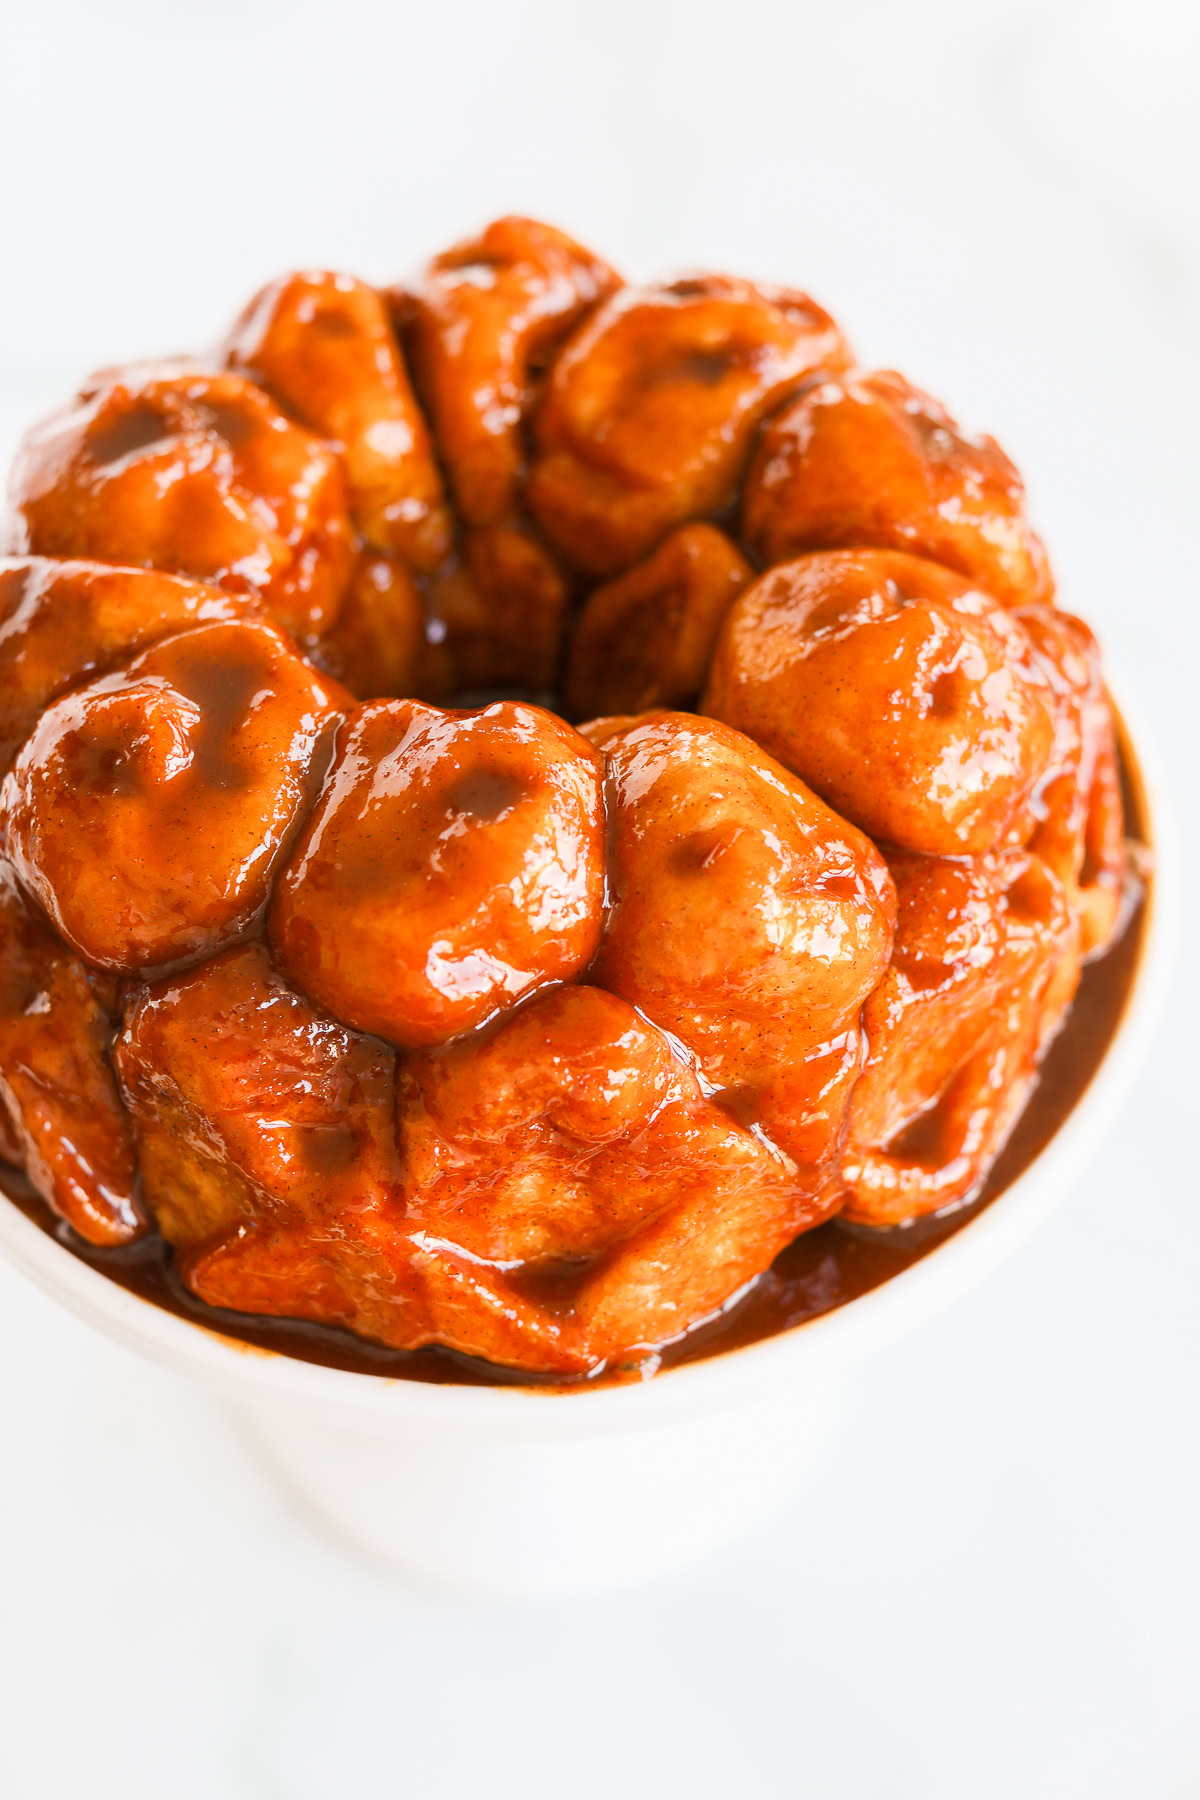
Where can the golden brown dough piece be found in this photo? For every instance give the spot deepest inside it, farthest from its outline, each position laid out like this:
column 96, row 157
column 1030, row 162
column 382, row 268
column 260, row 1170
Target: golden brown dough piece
column 646, row 639
column 499, row 608
column 909, row 700
column 267, row 1141
column 147, row 811
column 165, row 466
column 61, row 622
column 64, row 1121
column 747, row 919
column 870, row 461
column 377, row 643
column 517, row 1141
column 322, row 345
column 486, row 315
column 1080, row 828
column 572, row 1152
column 266, row 1144
column 985, row 963
column 454, row 864
column 649, row 410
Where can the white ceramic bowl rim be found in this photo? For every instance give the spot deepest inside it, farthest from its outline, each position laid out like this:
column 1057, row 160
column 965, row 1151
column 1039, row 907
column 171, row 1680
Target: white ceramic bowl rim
column 687, row 1389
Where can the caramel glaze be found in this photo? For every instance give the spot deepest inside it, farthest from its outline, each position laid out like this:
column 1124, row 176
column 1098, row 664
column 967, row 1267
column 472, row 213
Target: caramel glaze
column 822, row 1269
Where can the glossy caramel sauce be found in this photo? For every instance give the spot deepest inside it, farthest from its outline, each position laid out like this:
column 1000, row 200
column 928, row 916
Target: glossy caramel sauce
column 822, row 1269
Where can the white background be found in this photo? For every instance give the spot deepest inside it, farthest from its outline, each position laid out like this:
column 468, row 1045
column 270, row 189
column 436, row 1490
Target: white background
column 992, row 1587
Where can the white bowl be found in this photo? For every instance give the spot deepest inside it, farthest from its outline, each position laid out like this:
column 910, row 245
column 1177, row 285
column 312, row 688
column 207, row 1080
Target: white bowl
column 533, row 1491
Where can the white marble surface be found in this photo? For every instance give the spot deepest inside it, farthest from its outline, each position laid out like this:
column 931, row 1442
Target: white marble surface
column 993, row 1587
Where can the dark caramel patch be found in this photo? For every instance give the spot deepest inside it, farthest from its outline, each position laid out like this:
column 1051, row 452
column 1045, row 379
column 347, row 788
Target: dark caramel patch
column 100, row 766
column 333, row 322
column 328, row 1149
column 947, row 693
column 223, row 687
column 232, row 423
column 135, row 428
column 922, row 1138
column 695, row 854
column 485, row 794
column 707, row 368
column 14, row 586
